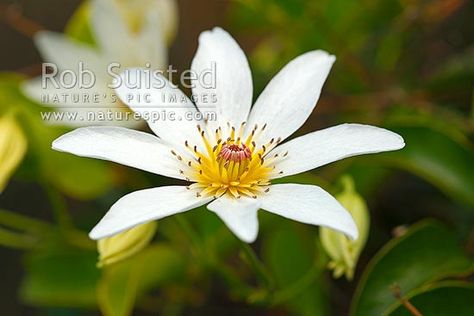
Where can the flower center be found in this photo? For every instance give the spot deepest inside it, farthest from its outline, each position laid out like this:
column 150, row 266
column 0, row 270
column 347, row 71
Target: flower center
column 234, row 165
column 235, row 153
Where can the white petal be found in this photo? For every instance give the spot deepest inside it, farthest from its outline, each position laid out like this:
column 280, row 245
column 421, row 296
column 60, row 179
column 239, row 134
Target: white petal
column 65, row 52
column 240, row 215
column 68, row 97
column 335, row 143
column 151, row 41
column 168, row 12
column 143, row 206
column 308, row 204
column 291, row 95
column 33, row 89
column 109, row 27
column 167, row 19
column 233, row 80
column 124, row 146
column 168, row 111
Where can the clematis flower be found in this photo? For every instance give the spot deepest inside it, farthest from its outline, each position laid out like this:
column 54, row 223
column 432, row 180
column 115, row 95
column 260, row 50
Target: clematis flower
column 12, row 147
column 230, row 162
column 118, row 27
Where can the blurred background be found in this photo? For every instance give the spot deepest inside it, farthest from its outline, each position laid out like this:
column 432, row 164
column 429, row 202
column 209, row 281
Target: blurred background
column 407, row 65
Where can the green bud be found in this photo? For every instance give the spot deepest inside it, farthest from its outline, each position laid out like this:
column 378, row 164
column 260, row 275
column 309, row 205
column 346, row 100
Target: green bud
column 126, row 244
column 12, row 147
column 342, row 251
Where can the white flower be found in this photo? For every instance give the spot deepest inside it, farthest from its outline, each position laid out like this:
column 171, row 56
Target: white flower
column 119, row 40
column 231, row 162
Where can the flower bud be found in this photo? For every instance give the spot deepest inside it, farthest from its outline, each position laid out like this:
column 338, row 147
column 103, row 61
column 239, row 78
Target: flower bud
column 12, row 147
column 126, row 244
column 342, row 251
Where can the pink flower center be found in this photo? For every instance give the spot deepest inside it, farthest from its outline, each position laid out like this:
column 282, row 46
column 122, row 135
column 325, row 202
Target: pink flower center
column 235, row 153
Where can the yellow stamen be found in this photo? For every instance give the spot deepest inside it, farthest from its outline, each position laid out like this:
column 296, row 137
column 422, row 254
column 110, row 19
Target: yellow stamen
column 230, row 164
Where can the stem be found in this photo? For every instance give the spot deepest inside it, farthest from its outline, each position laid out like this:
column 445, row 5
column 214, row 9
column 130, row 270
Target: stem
column 263, row 276
column 190, row 232
column 297, row 287
column 305, row 281
column 37, row 229
column 16, row 240
column 210, row 260
column 397, row 292
column 59, row 208
column 81, row 240
column 21, row 222
column 13, row 17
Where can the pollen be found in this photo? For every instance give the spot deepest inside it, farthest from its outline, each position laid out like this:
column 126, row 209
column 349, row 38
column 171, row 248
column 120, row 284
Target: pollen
column 228, row 161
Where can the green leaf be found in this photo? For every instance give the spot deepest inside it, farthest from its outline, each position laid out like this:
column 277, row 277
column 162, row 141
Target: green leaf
column 82, row 178
column 11, row 97
column 444, row 299
column 60, row 278
column 455, row 74
column 79, row 177
column 427, row 252
column 289, row 254
column 437, row 158
column 126, row 281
